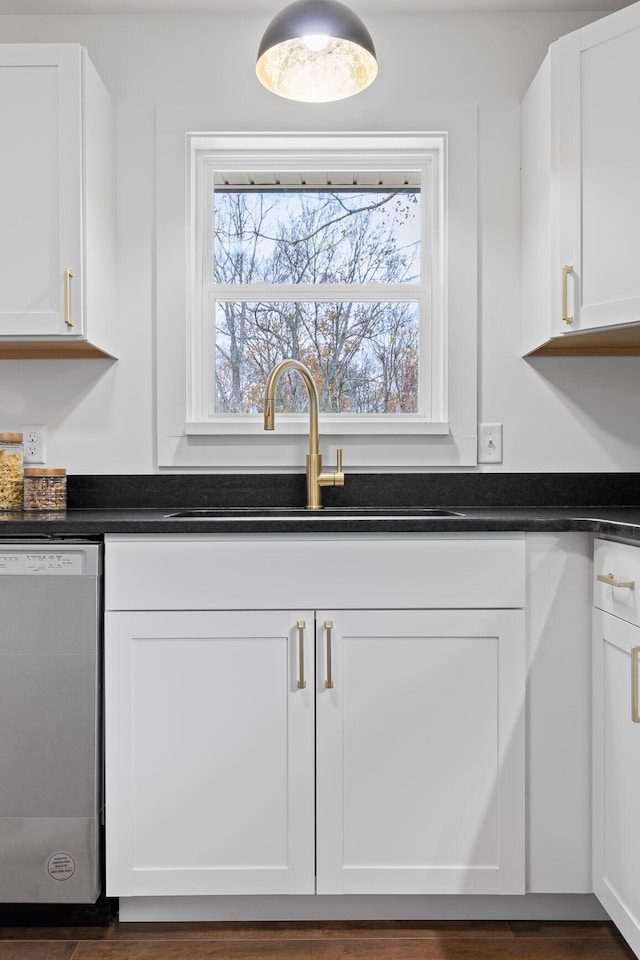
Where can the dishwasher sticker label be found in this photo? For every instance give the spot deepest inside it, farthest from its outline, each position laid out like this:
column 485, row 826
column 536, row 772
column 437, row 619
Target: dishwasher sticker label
column 61, row 866
column 42, row 564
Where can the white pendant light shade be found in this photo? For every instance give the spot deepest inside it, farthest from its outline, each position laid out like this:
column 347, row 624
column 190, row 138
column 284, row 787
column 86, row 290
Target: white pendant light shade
column 316, row 51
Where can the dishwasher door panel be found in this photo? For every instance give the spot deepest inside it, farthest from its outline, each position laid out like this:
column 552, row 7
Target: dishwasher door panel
column 50, row 742
column 48, row 735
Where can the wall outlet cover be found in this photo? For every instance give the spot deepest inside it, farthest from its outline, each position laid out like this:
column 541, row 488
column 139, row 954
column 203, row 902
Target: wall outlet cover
column 34, row 435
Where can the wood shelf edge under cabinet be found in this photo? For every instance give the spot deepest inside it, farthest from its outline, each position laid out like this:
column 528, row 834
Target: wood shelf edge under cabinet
column 52, row 350
column 605, row 342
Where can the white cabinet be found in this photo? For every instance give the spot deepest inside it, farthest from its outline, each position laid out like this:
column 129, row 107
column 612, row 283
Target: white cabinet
column 210, row 753
column 580, row 193
column 405, row 746
column 616, row 738
column 57, row 196
column 419, row 739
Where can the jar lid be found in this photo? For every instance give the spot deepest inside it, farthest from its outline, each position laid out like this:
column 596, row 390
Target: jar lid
column 11, row 438
column 45, row 472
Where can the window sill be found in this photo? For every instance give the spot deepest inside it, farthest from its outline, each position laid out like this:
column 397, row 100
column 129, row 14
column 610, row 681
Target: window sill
column 291, row 424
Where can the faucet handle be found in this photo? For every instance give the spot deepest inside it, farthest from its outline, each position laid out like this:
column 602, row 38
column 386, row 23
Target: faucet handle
column 332, row 479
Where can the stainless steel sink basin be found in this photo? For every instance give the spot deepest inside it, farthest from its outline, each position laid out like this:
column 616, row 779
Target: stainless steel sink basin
column 327, row 513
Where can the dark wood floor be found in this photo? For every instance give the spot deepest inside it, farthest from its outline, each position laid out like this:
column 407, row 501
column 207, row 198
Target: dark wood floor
column 379, row 940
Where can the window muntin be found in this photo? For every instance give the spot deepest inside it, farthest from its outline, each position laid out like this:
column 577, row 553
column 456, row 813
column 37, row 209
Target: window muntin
column 248, row 267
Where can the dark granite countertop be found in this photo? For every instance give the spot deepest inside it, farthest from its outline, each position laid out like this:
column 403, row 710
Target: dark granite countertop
column 606, row 504
column 96, row 523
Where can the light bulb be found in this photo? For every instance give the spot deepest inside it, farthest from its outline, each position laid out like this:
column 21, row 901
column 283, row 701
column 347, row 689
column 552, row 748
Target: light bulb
column 316, row 42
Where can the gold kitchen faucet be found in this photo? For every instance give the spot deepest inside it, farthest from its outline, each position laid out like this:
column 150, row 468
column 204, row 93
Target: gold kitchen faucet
column 316, row 478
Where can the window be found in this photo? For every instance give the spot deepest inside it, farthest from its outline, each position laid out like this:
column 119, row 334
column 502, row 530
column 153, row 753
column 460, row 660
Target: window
column 275, row 240
column 254, row 263
column 330, row 256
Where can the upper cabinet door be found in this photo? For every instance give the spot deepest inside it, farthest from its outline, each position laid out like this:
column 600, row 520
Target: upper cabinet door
column 57, row 204
column 599, row 143
column 41, row 189
column 580, row 194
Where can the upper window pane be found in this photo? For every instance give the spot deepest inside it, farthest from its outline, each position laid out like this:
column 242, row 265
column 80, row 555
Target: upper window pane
column 316, row 236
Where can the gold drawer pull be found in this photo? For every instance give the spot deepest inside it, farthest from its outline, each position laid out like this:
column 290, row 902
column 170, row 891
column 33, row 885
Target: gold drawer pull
column 301, row 680
column 611, row 580
column 566, row 270
column 635, row 659
column 67, row 298
column 328, row 626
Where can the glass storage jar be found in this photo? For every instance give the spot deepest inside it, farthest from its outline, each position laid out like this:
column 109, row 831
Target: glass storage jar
column 11, row 471
column 45, row 488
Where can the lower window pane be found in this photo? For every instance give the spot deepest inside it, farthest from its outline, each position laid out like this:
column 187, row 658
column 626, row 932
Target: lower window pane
column 364, row 357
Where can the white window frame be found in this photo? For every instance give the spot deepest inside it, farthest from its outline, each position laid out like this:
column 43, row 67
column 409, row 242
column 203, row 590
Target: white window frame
column 425, row 154
column 280, row 451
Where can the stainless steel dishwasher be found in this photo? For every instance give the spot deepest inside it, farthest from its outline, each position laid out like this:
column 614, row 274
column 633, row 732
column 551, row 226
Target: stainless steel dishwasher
column 50, row 766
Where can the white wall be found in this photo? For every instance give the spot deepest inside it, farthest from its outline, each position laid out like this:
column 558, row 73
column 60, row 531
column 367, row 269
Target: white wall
column 558, row 414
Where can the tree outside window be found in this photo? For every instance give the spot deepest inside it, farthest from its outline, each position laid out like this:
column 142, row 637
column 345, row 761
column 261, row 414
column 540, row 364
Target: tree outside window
column 296, row 247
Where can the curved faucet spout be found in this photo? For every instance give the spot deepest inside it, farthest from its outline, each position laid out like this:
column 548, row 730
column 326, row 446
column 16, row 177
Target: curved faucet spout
column 316, row 479
column 269, row 399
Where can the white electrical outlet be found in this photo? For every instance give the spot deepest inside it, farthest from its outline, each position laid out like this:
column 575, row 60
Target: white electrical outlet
column 490, row 443
column 34, row 435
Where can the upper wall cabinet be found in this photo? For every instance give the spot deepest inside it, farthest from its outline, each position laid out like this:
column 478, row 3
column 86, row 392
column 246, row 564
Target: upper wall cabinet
column 581, row 194
column 57, row 196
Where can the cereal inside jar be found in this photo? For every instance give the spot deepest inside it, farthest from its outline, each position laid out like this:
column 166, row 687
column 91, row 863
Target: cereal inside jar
column 11, row 467
column 45, row 488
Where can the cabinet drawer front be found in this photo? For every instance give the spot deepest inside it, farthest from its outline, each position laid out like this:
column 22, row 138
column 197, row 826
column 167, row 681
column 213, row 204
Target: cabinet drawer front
column 243, row 572
column 619, row 564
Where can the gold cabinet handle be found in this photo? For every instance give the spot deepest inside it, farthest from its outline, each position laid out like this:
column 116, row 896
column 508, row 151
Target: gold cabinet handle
column 635, row 660
column 67, row 298
column 611, row 580
column 301, row 680
column 328, row 626
column 566, row 270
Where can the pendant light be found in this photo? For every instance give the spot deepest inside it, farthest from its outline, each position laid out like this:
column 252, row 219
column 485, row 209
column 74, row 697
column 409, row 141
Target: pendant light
column 316, row 51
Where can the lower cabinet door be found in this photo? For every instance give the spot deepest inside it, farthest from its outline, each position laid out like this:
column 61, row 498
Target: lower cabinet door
column 209, row 753
column 616, row 772
column 420, row 745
